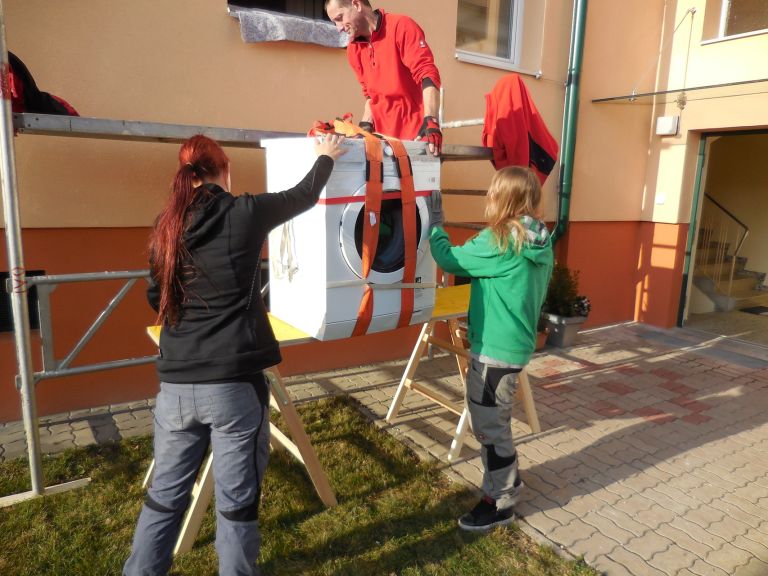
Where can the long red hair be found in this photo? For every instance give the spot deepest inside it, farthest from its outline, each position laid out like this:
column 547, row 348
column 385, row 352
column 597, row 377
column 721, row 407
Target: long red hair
column 201, row 159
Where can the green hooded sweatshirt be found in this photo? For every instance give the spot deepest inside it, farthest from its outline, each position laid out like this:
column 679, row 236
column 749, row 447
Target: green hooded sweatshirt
column 508, row 289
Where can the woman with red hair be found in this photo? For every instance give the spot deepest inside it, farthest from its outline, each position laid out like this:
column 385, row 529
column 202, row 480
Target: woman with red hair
column 215, row 342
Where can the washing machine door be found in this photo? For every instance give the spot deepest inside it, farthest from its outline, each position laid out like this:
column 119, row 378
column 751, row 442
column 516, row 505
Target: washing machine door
column 388, row 264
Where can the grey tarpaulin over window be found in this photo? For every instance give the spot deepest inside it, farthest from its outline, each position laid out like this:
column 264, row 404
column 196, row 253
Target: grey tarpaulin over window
column 265, row 26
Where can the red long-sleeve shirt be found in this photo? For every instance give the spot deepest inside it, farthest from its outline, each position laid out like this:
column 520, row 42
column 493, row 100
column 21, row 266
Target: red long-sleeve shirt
column 390, row 68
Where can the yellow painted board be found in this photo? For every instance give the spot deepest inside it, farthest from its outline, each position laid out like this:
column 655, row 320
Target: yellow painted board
column 451, row 302
column 285, row 333
column 154, row 333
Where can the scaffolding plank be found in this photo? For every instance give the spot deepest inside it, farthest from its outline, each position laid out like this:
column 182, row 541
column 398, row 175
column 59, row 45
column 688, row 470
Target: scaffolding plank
column 461, row 152
column 81, row 127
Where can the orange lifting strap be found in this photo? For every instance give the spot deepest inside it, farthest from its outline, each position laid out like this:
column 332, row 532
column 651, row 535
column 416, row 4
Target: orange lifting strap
column 408, row 200
column 372, row 217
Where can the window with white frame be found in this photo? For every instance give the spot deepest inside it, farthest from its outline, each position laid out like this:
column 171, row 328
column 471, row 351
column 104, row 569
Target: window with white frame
column 743, row 16
column 307, row 8
column 489, row 31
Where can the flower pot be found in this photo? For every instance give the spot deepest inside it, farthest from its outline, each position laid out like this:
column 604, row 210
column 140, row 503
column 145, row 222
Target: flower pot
column 563, row 329
column 541, row 338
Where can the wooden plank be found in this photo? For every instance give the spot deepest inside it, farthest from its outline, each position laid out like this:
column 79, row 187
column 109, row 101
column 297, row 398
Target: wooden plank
column 410, row 369
column 525, row 393
column 83, row 127
column 454, row 152
column 438, row 398
column 139, row 131
column 451, row 302
column 202, row 493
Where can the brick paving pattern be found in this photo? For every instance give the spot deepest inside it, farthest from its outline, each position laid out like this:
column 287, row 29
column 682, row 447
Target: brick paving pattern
column 652, row 459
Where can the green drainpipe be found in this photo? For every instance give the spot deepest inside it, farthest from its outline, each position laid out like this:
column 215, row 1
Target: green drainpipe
column 570, row 116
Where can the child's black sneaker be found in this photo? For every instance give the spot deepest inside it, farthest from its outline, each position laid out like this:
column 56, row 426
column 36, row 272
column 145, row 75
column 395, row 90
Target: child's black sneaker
column 485, row 516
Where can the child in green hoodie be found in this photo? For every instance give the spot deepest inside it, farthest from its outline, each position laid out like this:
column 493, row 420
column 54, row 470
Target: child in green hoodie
column 510, row 263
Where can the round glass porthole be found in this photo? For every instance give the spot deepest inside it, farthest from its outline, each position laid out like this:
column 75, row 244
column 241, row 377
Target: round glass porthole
column 387, row 266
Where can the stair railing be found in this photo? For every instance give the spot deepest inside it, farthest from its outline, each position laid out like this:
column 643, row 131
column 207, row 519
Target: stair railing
column 719, row 230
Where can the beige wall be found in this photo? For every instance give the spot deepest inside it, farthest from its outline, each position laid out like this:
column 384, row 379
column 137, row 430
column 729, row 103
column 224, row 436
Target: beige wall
column 740, row 183
column 613, row 139
column 182, row 61
column 623, row 170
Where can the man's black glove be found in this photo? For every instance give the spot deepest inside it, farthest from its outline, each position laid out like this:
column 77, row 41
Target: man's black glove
column 430, row 132
column 436, row 209
column 367, row 126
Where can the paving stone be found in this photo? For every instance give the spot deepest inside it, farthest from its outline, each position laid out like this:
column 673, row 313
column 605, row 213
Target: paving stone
column 636, row 565
column 571, row 533
column 542, row 523
column 728, row 558
column 84, row 437
column 594, row 546
column 754, row 567
column 623, row 520
column 686, row 541
column 13, row 435
column 649, row 544
column 602, row 494
column 579, row 505
column 741, row 510
column 671, row 497
column 59, row 429
column 469, row 472
column 755, row 544
column 728, row 528
column 641, row 481
column 14, row 449
column 607, row 526
column 634, row 505
column 752, row 492
column 672, row 560
column 704, row 516
column 702, row 568
column 655, row 516
column 605, row 565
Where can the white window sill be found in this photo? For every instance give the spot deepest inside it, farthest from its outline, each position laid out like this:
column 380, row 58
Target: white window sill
column 264, row 26
column 494, row 62
column 734, row 37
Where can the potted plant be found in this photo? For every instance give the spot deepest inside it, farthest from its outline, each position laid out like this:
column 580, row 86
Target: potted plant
column 542, row 332
column 564, row 308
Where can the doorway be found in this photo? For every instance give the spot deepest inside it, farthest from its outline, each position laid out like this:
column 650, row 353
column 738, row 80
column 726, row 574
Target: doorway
column 728, row 289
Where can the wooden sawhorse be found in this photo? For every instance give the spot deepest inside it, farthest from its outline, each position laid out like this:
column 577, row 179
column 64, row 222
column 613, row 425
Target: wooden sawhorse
column 300, row 447
column 451, row 304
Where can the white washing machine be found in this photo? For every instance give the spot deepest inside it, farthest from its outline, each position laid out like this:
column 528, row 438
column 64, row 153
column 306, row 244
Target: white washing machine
column 315, row 259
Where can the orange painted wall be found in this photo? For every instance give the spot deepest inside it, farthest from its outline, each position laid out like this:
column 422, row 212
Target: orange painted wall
column 660, row 267
column 629, row 270
column 75, row 306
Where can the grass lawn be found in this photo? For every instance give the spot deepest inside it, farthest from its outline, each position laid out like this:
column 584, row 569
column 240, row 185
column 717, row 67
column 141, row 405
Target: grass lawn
column 396, row 515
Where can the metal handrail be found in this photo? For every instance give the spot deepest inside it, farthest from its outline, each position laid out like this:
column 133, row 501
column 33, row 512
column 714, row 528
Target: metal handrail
column 732, row 217
column 715, row 235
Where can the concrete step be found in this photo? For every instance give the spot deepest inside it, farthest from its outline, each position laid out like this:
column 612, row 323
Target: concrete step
column 710, row 268
column 749, row 298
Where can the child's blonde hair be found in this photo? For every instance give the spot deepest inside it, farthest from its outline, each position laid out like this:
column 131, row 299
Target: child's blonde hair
column 515, row 191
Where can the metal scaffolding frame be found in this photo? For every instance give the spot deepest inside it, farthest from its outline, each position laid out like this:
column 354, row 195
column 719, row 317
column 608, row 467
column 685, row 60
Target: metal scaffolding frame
column 19, row 283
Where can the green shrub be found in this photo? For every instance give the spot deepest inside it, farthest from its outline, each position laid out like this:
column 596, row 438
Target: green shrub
column 563, row 296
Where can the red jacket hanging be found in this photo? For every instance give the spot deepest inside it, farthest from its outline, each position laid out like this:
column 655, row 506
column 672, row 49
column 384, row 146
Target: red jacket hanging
column 515, row 129
column 390, row 68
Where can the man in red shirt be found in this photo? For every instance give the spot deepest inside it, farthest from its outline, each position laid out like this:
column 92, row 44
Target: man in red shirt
column 396, row 69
